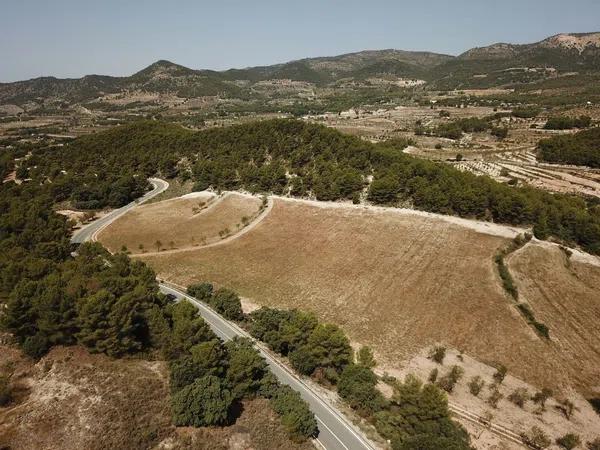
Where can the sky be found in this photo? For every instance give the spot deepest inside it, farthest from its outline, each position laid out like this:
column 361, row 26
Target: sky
column 72, row 38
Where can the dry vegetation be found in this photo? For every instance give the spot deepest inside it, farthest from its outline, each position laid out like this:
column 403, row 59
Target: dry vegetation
column 394, row 280
column 563, row 291
column 180, row 223
column 73, row 400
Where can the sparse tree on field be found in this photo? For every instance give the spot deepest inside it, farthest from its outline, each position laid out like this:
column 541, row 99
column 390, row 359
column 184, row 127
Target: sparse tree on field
column 519, row 397
column 476, row 385
column 568, row 441
column 124, row 248
column 141, row 248
column 171, row 244
column 158, row 245
column 495, row 397
column 541, row 397
column 437, row 354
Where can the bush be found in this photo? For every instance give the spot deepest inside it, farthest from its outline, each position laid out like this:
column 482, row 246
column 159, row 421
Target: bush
column 519, row 396
column 357, row 386
column 495, row 397
column 295, row 414
column 500, row 374
column 536, row 438
column 205, row 402
column 448, row 381
column 476, row 385
column 433, row 375
column 568, row 441
column 540, row 397
column 438, row 354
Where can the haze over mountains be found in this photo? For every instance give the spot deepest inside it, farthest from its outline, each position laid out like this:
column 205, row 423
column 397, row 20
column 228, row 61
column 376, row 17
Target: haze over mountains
column 494, row 65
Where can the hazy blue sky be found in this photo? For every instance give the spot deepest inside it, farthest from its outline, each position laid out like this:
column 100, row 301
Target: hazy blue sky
column 70, row 38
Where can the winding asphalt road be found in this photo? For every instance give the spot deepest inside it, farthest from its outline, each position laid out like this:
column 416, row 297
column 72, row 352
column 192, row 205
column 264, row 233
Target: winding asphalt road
column 89, row 231
column 335, row 431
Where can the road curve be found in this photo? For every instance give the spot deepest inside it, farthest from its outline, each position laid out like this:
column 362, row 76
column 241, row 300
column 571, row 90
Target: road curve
column 87, row 232
column 335, row 431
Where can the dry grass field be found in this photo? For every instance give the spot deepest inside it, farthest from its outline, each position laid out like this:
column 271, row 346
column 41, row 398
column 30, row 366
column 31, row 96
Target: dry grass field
column 180, row 222
column 565, row 295
column 396, row 281
column 72, row 400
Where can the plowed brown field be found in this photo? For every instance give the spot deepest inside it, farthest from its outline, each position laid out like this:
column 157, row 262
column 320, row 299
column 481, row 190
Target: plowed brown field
column 399, row 281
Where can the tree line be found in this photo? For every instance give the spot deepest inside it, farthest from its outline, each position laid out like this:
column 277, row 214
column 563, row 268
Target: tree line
column 581, row 148
column 417, row 415
column 303, row 159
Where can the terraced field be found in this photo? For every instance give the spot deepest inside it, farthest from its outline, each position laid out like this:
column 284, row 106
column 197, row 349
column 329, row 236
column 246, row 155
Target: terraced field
column 180, row 223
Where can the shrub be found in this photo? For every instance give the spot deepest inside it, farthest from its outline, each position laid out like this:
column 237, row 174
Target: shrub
column 438, row 354
column 568, row 441
column 519, row 396
column 567, row 407
column 500, row 374
column 448, row 381
column 476, row 385
column 536, row 438
column 205, row 402
column 539, row 398
column 296, row 417
column 433, row 375
column 507, row 280
column 495, row 397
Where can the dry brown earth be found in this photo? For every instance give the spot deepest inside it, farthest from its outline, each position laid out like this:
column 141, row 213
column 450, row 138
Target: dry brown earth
column 72, row 400
column 186, row 222
column 393, row 280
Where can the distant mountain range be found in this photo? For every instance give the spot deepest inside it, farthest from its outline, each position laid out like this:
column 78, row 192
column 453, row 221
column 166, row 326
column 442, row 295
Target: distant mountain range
column 495, row 65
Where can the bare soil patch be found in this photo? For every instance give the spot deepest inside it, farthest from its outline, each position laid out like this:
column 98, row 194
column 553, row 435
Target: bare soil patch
column 73, row 400
column 393, row 281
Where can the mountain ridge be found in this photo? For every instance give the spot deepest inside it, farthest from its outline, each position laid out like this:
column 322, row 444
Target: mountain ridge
column 564, row 52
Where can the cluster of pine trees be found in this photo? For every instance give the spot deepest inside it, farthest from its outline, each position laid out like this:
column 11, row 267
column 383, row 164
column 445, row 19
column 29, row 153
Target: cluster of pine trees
column 416, row 416
column 580, row 149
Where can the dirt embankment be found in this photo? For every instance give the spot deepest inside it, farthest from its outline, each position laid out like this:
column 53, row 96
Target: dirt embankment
column 73, row 400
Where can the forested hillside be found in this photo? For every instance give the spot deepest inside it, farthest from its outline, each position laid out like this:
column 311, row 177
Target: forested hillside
column 282, row 156
column 581, row 149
